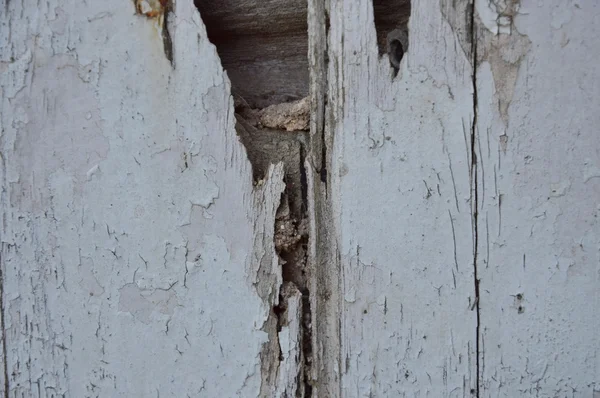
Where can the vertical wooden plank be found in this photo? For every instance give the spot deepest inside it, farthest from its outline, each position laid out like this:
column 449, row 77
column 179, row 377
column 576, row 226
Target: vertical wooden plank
column 538, row 153
column 399, row 176
column 137, row 257
column 322, row 254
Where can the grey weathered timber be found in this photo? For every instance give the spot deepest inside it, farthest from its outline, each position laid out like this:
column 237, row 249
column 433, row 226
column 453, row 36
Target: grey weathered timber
column 262, row 45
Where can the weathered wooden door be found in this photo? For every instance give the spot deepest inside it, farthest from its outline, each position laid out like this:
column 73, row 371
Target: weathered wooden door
column 300, row 198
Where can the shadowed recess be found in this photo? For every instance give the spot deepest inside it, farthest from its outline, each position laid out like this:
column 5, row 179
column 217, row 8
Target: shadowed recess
column 391, row 25
column 263, row 46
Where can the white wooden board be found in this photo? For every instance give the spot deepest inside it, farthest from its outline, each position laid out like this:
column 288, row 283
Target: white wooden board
column 132, row 237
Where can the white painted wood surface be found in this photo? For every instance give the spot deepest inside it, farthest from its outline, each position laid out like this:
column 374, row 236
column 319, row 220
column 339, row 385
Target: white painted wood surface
column 400, row 178
column 520, row 207
column 132, row 237
column 137, row 257
column 539, row 188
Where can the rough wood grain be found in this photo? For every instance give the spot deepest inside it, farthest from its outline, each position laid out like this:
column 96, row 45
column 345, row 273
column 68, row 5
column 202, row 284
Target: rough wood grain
column 538, row 150
column 322, row 252
column 262, row 45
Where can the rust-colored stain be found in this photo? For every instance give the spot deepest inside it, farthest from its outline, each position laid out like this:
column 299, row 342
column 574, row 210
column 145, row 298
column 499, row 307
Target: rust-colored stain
column 158, row 11
column 151, row 8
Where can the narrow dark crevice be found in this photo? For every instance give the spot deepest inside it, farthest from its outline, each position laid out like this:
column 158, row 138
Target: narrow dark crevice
column 307, row 348
column 475, row 204
column 323, row 171
column 4, row 195
column 303, row 180
column 263, row 47
column 160, row 11
column 167, row 42
column 391, row 25
column 291, row 244
column 3, row 327
column 323, row 121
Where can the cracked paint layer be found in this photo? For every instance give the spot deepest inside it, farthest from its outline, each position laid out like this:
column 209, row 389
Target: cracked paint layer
column 535, row 265
column 141, row 303
column 138, row 258
column 119, row 194
column 405, row 239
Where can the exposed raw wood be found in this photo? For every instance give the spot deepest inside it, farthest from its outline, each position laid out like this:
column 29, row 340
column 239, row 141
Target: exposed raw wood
column 262, row 45
column 323, row 272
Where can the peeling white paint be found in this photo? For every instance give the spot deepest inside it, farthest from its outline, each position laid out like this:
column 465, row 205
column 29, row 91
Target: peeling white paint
column 406, row 265
column 497, row 15
column 138, row 259
column 539, row 287
column 119, row 171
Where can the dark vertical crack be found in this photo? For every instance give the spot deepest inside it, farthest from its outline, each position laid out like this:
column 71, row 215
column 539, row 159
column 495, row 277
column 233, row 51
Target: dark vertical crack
column 291, row 244
column 2, row 326
column 323, row 172
column 167, row 42
column 306, row 322
column 322, row 122
column 159, row 11
column 5, row 195
column 303, row 179
column 475, row 203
